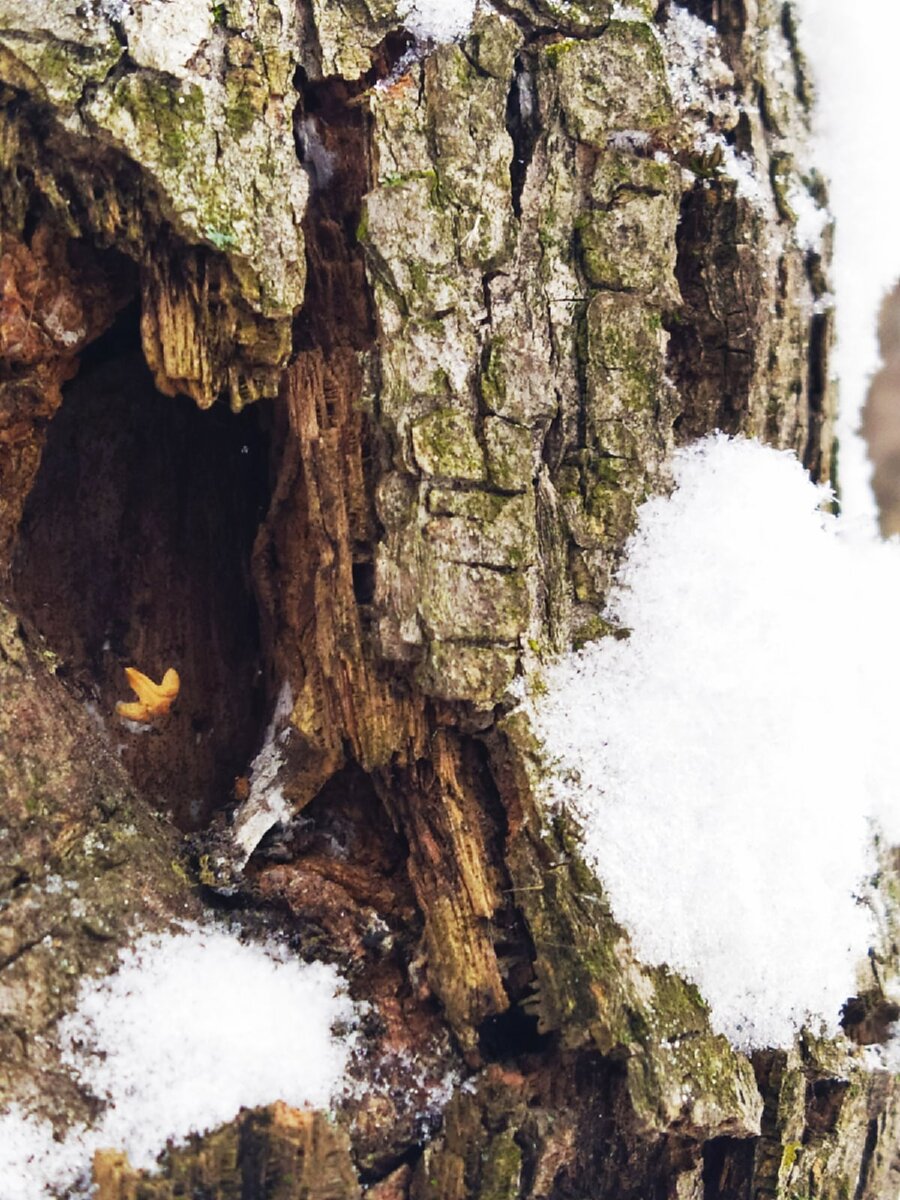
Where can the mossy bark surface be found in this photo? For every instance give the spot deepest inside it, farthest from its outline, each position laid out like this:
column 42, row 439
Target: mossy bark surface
column 335, row 367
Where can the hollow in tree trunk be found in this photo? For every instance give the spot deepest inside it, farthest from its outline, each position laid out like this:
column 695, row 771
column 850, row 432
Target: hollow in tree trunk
column 335, row 366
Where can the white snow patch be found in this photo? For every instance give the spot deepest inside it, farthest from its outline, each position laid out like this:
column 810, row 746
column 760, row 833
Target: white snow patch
column 32, row 1163
column 739, row 167
column 884, row 1058
column 438, row 20
column 99, row 12
column 853, row 60
column 192, row 1027
column 812, row 220
column 625, row 12
column 702, row 87
column 629, row 140
column 729, row 758
column 700, row 81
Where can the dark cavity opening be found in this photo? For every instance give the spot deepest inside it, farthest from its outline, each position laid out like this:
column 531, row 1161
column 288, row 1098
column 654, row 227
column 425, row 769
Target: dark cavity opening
column 509, row 1035
column 824, row 1101
column 870, row 1019
column 134, row 550
column 347, row 823
column 523, row 126
column 332, row 138
column 728, row 1168
column 364, row 582
column 728, row 16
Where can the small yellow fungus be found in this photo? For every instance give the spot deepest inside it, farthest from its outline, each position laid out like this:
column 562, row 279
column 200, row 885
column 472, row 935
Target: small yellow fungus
column 153, row 699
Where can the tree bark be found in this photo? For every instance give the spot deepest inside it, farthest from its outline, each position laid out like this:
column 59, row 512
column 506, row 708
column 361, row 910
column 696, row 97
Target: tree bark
column 335, row 368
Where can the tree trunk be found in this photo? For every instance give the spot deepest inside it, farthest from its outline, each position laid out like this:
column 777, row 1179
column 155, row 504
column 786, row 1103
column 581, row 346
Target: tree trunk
column 335, row 367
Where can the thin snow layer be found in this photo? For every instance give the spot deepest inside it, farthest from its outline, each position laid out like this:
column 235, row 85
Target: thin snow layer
column 192, row 1027
column 701, row 83
column 854, row 64
column 702, row 87
column 438, row 20
column 729, row 758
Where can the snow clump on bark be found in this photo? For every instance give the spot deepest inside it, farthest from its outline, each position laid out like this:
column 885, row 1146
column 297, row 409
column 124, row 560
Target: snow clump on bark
column 438, row 20
column 733, row 758
column 192, row 1027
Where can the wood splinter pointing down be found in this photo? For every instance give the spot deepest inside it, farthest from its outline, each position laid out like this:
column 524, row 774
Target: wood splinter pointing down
column 153, row 699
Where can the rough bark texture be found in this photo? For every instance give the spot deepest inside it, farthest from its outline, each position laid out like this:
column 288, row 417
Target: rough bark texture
column 477, row 293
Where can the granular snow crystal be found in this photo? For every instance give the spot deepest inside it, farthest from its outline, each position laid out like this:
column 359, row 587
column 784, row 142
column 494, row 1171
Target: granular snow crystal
column 438, row 20
column 191, row 1028
column 732, row 757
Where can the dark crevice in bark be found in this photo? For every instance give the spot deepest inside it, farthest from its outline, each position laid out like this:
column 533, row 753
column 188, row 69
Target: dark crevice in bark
column 868, row 1155
column 741, row 137
column 509, row 1036
column 824, row 1100
column 506, row 1035
column 802, row 87
column 728, row 16
column 869, row 1019
column 523, row 125
column 332, row 137
column 818, row 350
column 728, row 1168
column 817, row 382
column 134, row 550
column 712, row 337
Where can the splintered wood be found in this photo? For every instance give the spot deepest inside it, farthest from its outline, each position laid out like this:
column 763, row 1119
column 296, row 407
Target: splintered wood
column 345, row 707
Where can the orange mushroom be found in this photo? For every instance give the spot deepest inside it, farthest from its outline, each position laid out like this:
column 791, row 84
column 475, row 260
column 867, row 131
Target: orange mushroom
column 153, row 699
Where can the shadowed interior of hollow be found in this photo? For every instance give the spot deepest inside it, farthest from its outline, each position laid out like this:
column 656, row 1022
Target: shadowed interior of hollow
column 135, row 550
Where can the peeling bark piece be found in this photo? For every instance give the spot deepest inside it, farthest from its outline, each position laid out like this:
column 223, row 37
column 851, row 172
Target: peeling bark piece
column 56, row 295
column 343, row 695
column 434, row 804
